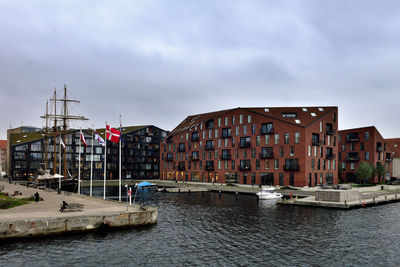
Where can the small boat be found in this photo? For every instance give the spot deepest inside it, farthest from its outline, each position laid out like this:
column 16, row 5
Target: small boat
column 269, row 193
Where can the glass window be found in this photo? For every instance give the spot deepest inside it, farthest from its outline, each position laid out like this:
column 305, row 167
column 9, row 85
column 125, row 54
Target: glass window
column 248, row 118
column 286, row 138
column 276, row 164
column 267, row 140
column 276, row 139
column 226, row 121
column 241, row 119
column 296, row 137
column 245, row 129
column 366, row 136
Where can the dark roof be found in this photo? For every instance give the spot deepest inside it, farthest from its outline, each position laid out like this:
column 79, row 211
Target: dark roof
column 304, row 116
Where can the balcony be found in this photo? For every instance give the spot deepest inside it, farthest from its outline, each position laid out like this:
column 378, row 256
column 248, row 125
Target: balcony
column 352, row 137
column 181, row 168
column 209, row 168
column 195, row 138
column 330, row 131
column 244, row 167
column 226, row 156
column 181, row 149
column 388, row 159
column 293, row 167
column 169, row 157
column 209, row 147
column 267, row 155
column 245, row 144
column 266, row 131
column 352, row 158
column 226, row 135
column 194, row 158
column 379, row 148
column 316, row 142
column 330, row 156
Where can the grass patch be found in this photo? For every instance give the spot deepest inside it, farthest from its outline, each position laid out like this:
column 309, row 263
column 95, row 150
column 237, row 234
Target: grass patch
column 7, row 202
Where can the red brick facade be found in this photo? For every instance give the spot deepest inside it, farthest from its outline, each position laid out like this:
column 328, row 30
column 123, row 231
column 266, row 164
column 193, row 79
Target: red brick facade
column 279, row 149
column 362, row 144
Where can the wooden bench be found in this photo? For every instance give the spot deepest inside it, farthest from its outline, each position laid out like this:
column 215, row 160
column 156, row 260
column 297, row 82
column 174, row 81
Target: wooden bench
column 73, row 207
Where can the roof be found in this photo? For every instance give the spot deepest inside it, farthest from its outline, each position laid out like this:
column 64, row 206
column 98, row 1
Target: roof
column 305, row 116
column 373, row 128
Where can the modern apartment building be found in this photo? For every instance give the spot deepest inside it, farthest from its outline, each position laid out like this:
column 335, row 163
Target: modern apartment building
column 139, row 150
column 363, row 144
column 257, row 146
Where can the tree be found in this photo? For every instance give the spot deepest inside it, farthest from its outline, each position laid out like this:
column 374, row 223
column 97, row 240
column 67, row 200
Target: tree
column 364, row 171
column 380, row 171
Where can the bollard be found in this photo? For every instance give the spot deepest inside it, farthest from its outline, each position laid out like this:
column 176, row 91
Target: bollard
column 189, row 191
column 179, row 190
column 219, row 194
column 345, row 202
column 236, row 196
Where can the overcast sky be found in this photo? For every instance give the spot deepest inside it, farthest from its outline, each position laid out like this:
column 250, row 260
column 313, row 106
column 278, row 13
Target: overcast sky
column 156, row 62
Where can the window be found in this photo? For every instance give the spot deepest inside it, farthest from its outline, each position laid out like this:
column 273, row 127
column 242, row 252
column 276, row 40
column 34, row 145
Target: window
column 241, row 119
column 343, row 165
column 267, row 128
column 245, row 129
column 267, row 140
column 296, row 137
column 253, row 152
column 253, row 129
column 226, row 142
column 276, row 164
column 320, row 126
column 233, row 164
column 257, row 140
column 352, row 166
column 209, row 124
column 276, row 139
column 343, row 147
column 257, row 164
column 233, row 120
column 366, row 155
column 226, row 121
column 209, row 133
column 248, row 118
column 309, row 150
column 281, row 151
column 352, row 147
column 286, row 138
column 291, row 152
column 237, row 130
column 289, row 115
column 366, row 136
column 216, row 133
column 219, row 122
column 312, row 164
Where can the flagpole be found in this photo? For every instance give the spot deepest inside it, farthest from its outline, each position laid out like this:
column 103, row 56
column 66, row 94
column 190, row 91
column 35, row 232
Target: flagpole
column 105, row 160
column 91, row 165
column 120, row 141
column 59, row 165
column 79, row 162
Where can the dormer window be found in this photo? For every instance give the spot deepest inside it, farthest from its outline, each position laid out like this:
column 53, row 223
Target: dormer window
column 289, row 115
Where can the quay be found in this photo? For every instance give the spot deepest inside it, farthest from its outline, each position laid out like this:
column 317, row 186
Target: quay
column 43, row 218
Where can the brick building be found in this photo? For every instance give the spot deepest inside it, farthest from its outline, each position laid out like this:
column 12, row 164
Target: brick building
column 266, row 146
column 394, row 146
column 363, row 144
column 3, row 157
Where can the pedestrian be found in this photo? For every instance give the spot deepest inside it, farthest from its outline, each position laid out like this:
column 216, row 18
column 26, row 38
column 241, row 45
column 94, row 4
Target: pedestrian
column 63, row 206
column 36, row 197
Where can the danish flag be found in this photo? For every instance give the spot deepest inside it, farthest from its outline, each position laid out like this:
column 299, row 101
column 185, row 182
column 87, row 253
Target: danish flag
column 112, row 134
column 83, row 139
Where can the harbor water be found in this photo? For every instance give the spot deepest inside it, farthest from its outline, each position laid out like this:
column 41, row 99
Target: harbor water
column 221, row 230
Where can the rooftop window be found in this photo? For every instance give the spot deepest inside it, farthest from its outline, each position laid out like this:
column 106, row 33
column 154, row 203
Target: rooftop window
column 289, row 115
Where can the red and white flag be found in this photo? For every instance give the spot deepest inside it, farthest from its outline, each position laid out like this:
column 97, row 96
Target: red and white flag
column 83, row 138
column 112, row 134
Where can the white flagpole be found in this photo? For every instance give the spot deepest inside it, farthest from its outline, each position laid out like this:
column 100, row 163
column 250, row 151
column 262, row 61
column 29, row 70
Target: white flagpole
column 105, row 160
column 91, row 165
column 79, row 162
column 59, row 165
column 120, row 124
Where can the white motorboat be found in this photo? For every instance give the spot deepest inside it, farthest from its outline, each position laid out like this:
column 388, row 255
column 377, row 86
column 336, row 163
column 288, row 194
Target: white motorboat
column 269, row 193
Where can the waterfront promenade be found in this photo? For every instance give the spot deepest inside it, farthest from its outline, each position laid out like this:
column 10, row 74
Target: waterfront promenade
column 44, row 217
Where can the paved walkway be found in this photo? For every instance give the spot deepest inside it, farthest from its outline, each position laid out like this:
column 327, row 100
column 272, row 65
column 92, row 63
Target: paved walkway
column 49, row 207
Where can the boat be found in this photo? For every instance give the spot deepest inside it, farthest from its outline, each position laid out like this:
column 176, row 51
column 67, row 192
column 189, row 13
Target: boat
column 269, row 193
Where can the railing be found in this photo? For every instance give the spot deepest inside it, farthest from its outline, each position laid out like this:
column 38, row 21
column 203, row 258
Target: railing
column 330, row 156
column 352, row 139
column 353, row 159
column 266, row 131
column 209, row 168
column 244, row 144
column 316, row 142
column 291, row 167
column 209, row 147
column 181, row 149
column 226, row 135
column 226, row 156
column 195, row 138
column 379, row 149
column 330, row 131
column 194, row 158
column 181, row 168
column 169, row 159
column 244, row 167
column 268, row 155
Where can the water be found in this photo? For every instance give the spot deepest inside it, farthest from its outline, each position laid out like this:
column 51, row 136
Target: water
column 193, row 230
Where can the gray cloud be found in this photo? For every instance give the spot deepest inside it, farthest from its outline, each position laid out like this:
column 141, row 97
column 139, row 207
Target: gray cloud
column 155, row 62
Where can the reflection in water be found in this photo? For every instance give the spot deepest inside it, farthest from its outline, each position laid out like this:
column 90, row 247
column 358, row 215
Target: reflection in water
column 204, row 230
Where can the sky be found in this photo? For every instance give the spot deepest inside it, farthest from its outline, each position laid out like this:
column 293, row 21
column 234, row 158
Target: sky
column 157, row 62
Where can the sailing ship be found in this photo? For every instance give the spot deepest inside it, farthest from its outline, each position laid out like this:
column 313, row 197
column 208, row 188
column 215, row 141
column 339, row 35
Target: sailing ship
column 63, row 180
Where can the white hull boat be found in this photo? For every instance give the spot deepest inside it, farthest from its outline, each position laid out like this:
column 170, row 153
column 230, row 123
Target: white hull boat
column 269, row 193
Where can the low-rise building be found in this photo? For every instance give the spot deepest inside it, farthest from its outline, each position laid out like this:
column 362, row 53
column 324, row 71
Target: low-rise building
column 363, row 144
column 3, row 157
column 394, row 146
column 265, row 146
column 139, row 153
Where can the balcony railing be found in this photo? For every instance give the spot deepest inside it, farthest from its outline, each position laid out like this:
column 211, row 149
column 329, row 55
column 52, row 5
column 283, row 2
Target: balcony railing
column 379, row 149
column 266, row 131
column 226, row 135
column 209, row 168
column 330, row 131
column 195, row 138
column 181, row 149
column 244, row 167
column 353, row 158
column 209, row 147
column 330, row 156
column 292, row 167
column 181, row 168
column 169, row 159
column 194, row 158
column 244, row 144
column 267, row 155
column 226, row 156
column 353, row 139
column 316, row 142
column 388, row 159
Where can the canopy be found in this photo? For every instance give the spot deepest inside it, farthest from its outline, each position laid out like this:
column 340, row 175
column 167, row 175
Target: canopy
column 142, row 184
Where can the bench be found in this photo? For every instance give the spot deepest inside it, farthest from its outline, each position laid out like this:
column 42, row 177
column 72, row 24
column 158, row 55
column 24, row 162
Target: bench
column 73, row 207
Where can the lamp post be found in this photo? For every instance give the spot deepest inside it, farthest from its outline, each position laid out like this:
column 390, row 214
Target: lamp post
column 127, row 197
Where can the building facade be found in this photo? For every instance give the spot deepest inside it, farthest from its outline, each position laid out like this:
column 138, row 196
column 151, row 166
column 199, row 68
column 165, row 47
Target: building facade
column 265, row 146
column 139, row 154
column 3, row 157
column 363, row 144
column 394, row 147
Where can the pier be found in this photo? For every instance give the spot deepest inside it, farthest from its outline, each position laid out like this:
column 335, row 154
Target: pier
column 44, row 218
